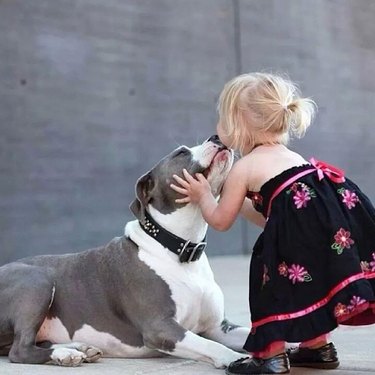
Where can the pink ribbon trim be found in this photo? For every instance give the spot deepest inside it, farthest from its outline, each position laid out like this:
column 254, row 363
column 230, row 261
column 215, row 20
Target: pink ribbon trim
column 286, row 184
column 323, row 169
column 333, row 173
column 317, row 305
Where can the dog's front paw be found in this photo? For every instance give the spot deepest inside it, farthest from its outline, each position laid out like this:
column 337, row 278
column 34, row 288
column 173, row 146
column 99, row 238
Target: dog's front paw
column 223, row 363
column 92, row 353
column 67, row 357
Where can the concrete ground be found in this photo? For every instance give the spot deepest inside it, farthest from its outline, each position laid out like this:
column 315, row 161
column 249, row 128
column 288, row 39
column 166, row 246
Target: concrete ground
column 356, row 346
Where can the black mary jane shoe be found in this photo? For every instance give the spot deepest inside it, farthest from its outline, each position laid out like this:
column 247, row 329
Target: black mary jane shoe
column 279, row 364
column 324, row 357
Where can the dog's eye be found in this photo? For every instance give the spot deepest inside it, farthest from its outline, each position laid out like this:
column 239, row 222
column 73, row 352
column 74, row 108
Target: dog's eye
column 181, row 151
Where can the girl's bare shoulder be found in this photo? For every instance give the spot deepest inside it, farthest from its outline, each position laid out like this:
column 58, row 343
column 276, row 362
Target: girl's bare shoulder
column 247, row 170
column 264, row 163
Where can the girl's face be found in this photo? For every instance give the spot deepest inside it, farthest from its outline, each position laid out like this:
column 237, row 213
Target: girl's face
column 225, row 140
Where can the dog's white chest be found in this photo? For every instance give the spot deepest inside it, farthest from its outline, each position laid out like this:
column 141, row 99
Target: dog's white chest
column 197, row 297
column 199, row 300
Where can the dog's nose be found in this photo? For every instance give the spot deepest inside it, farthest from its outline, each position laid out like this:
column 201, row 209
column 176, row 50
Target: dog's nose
column 214, row 138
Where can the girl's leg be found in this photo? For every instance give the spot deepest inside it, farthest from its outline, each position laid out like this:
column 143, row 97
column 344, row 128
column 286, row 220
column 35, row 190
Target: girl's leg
column 278, row 347
column 271, row 350
column 315, row 343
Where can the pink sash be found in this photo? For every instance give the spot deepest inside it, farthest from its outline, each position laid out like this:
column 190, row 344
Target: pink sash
column 323, row 169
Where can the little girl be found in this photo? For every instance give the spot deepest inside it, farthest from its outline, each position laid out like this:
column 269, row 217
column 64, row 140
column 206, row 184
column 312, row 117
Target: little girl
column 313, row 266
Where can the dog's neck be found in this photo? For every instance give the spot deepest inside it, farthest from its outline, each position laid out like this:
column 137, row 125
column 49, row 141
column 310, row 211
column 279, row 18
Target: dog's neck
column 186, row 222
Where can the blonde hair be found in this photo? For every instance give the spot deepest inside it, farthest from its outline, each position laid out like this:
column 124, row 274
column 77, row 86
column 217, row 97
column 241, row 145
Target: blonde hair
column 263, row 108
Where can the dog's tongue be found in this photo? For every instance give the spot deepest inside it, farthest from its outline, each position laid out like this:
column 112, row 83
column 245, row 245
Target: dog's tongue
column 218, row 157
column 221, row 155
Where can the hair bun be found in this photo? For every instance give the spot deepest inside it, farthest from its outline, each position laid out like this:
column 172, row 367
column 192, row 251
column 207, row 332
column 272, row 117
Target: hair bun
column 258, row 106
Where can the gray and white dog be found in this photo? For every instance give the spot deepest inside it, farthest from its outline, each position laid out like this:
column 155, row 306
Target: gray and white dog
column 144, row 294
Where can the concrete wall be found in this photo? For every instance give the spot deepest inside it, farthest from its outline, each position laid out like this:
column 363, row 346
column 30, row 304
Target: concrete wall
column 93, row 93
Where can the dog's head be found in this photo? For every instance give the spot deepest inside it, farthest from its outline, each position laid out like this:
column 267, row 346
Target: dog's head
column 211, row 158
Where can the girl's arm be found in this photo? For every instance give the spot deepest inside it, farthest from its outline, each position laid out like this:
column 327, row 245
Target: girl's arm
column 248, row 211
column 219, row 215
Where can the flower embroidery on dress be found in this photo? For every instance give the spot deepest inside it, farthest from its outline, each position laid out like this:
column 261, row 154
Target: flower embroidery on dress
column 283, row 269
column 350, row 198
column 302, row 194
column 298, row 273
column 368, row 266
column 354, row 302
column 342, row 241
column 372, row 263
column 301, row 198
column 341, row 309
column 295, row 273
column 365, row 266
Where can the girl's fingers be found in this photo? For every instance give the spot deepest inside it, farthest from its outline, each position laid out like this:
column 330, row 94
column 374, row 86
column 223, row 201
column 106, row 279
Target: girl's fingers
column 183, row 200
column 188, row 176
column 179, row 189
column 181, row 181
column 200, row 177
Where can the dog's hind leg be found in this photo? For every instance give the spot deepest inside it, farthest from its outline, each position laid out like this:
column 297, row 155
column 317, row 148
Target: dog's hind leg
column 24, row 350
column 228, row 334
column 28, row 296
column 25, row 294
column 30, row 311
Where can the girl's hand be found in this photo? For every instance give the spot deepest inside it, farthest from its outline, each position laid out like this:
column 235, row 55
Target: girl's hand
column 194, row 189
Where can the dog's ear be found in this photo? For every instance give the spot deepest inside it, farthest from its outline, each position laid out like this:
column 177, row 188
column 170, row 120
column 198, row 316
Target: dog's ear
column 143, row 187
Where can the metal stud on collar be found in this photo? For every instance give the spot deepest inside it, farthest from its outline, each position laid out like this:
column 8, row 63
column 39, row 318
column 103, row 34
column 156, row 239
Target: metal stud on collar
column 185, row 250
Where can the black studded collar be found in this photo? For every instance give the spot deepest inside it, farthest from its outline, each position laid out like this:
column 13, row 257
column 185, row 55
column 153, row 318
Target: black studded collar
column 187, row 251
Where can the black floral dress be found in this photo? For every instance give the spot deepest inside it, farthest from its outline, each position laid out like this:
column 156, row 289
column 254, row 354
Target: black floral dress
column 313, row 266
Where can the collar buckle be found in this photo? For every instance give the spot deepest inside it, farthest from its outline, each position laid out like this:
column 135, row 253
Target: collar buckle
column 191, row 252
column 186, row 251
